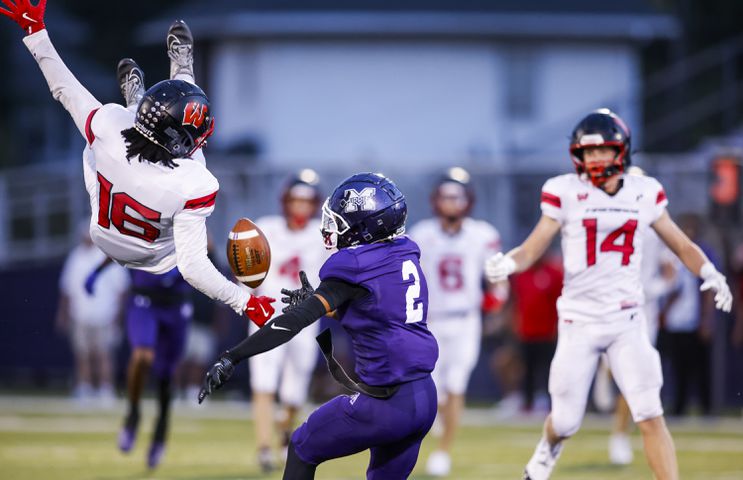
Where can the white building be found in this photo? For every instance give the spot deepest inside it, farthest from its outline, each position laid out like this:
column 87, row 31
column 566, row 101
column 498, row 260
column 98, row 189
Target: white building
column 416, row 83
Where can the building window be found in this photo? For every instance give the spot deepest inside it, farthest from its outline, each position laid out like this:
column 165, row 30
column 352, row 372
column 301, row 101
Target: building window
column 520, row 91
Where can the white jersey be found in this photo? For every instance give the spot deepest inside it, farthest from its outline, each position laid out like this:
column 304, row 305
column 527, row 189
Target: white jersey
column 144, row 215
column 291, row 251
column 453, row 264
column 138, row 201
column 287, row 369
column 100, row 307
column 602, row 242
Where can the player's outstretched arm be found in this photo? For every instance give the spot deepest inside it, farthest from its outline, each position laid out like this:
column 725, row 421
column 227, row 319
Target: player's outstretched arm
column 62, row 83
column 695, row 260
column 277, row 332
column 329, row 296
column 189, row 234
column 93, row 275
column 500, row 266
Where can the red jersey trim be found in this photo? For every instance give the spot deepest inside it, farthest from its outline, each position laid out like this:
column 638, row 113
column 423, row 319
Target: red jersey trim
column 202, row 202
column 88, row 128
column 661, row 196
column 550, row 199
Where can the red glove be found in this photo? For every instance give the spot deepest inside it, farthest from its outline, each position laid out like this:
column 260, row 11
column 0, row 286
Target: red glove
column 259, row 309
column 491, row 303
column 22, row 12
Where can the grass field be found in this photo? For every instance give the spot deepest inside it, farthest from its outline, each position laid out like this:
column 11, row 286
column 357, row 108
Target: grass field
column 50, row 439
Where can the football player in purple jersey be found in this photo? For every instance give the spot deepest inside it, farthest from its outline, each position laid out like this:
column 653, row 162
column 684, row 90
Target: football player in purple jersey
column 375, row 285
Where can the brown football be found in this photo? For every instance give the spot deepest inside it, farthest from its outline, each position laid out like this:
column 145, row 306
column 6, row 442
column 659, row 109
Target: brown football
column 248, row 252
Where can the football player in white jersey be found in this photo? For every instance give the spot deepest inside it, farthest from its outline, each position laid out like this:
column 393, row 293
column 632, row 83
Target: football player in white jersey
column 453, row 249
column 603, row 216
column 149, row 193
column 286, row 370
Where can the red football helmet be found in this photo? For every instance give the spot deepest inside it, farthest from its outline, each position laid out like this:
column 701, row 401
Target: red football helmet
column 602, row 128
column 175, row 115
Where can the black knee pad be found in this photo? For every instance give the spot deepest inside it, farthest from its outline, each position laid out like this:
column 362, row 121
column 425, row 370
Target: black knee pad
column 295, row 468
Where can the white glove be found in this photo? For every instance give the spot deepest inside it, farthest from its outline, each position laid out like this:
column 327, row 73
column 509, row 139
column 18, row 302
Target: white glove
column 499, row 267
column 716, row 281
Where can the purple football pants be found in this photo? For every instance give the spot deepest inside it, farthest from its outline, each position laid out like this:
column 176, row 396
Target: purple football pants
column 392, row 429
column 162, row 328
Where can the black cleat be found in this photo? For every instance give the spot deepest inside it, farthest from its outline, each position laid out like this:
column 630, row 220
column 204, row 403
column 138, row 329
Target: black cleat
column 131, row 81
column 128, row 433
column 180, row 50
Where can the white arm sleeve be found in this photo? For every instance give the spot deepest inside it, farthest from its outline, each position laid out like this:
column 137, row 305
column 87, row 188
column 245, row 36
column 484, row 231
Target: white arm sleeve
column 189, row 233
column 64, row 86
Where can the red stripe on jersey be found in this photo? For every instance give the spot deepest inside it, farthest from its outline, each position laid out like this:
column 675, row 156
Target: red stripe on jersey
column 202, row 202
column 553, row 200
column 88, row 128
column 661, row 196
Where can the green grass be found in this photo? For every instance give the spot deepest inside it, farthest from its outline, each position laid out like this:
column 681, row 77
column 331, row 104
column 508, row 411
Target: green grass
column 49, row 439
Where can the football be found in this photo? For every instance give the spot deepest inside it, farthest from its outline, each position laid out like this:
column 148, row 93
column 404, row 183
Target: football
column 248, row 252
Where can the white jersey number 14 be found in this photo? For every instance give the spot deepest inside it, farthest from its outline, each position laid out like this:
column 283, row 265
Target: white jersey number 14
column 626, row 248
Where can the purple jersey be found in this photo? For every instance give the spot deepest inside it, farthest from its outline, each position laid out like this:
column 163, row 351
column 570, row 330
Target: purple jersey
column 391, row 340
column 171, row 281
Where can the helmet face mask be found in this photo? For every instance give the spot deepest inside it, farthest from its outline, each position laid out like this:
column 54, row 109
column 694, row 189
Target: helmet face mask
column 451, row 201
column 605, row 162
column 601, row 128
column 332, row 226
column 200, row 142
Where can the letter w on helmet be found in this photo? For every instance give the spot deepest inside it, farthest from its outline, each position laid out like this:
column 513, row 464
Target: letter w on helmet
column 194, row 114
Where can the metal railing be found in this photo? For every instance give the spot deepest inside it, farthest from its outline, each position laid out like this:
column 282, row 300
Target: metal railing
column 42, row 206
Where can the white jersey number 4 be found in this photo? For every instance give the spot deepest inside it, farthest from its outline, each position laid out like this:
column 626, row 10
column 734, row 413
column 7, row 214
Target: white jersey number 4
column 414, row 313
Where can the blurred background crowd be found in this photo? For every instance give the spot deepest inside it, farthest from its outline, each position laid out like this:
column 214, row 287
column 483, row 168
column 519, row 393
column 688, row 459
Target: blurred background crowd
column 409, row 88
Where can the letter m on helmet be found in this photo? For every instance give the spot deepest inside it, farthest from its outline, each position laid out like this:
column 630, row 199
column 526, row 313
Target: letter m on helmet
column 194, row 114
column 360, row 201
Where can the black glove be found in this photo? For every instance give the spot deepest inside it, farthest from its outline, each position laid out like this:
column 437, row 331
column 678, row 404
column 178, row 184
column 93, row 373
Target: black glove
column 216, row 377
column 294, row 297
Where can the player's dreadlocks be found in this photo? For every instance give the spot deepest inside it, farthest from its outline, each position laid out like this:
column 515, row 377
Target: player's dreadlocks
column 138, row 145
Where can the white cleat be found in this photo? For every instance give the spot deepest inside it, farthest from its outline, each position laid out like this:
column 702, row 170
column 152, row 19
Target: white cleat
column 438, row 464
column 131, row 81
column 510, row 406
column 543, row 461
column 266, row 460
column 620, row 449
column 180, row 51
